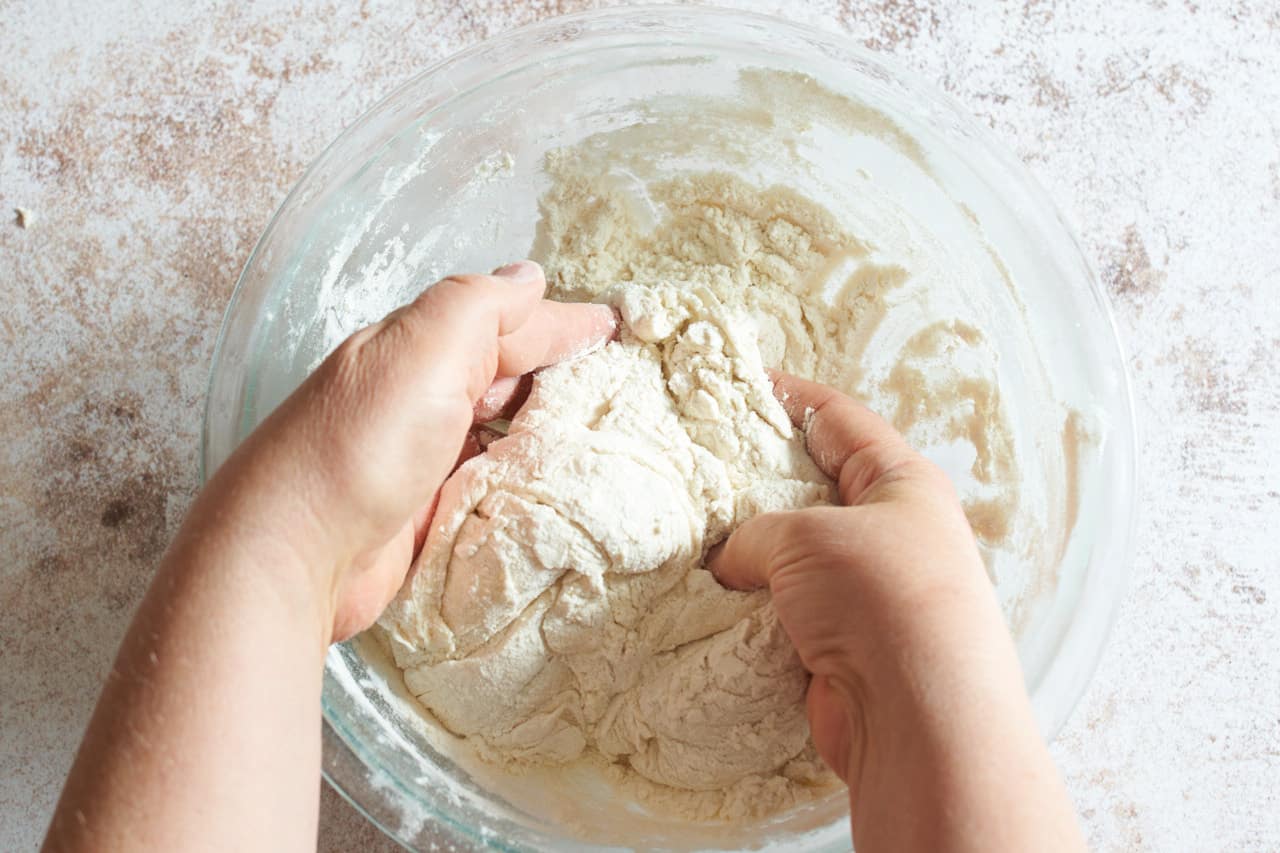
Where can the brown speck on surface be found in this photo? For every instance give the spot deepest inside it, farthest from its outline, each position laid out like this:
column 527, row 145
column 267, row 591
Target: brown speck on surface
column 23, row 218
column 116, row 513
column 1128, row 272
column 1250, row 593
column 897, row 23
column 1050, row 92
column 1210, row 385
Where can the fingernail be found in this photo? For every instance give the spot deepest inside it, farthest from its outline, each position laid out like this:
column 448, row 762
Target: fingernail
column 519, row 271
column 610, row 315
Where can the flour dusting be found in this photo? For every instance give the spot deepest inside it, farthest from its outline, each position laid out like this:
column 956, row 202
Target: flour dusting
column 560, row 610
column 559, row 622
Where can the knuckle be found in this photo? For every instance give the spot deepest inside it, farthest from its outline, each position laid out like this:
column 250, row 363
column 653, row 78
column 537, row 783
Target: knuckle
column 454, row 298
column 793, row 535
column 796, row 525
column 840, row 408
column 929, row 474
column 351, row 347
column 777, row 527
column 344, row 369
column 345, row 360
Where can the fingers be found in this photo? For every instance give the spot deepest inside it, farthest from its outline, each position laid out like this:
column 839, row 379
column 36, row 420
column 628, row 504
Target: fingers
column 746, row 559
column 447, row 335
column 503, row 398
column 553, row 332
column 464, row 304
column 851, row 444
column 486, row 436
column 472, row 446
column 453, row 325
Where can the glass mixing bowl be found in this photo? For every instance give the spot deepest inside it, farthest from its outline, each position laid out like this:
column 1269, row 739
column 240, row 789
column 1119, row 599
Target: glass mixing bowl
column 445, row 174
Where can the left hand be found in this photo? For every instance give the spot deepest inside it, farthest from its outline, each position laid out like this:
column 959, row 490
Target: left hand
column 205, row 734
column 345, row 473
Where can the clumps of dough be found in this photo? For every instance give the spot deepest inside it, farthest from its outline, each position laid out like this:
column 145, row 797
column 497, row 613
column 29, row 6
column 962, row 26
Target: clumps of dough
column 560, row 611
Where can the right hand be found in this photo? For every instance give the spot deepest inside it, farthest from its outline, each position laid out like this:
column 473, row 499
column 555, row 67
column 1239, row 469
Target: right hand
column 917, row 700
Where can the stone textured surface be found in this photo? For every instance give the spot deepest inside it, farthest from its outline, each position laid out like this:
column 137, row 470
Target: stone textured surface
column 150, row 142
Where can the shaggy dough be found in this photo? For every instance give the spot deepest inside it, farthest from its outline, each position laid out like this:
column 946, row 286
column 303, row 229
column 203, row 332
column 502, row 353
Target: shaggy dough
column 559, row 613
column 560, row 607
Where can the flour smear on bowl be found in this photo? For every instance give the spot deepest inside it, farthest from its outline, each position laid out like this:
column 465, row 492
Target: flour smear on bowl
column 559, row 616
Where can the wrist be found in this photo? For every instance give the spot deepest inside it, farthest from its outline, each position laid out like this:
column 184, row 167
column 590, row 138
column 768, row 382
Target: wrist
column 238, row 533
column 948, row 738
column 927, row 672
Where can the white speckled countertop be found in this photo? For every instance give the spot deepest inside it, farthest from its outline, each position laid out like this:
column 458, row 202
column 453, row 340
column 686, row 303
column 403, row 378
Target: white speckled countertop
column 150, row 141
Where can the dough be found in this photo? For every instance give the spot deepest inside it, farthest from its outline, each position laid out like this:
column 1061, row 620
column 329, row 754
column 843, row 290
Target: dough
column 560, row 610
column 559, row 613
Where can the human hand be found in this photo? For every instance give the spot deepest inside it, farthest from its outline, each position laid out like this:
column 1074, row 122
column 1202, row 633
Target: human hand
column 347, row 469
column 916, row 699
column 843, row 578
column 300, row 538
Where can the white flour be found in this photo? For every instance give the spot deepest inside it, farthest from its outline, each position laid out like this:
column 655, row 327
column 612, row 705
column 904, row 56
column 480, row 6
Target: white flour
column 559, row 615
column 559, row 607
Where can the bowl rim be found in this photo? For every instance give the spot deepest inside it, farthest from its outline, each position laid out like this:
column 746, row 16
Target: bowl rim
column 1124, row 481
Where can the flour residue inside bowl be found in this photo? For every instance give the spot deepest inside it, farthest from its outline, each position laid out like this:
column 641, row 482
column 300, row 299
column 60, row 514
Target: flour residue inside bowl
column 562, row 621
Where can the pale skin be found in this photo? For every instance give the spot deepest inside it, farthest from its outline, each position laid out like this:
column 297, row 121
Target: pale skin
column 207, row 733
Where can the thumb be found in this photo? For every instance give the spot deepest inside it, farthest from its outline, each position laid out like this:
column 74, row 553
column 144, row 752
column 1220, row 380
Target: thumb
column 452, row 330
column 748, row 558
column 850, row 443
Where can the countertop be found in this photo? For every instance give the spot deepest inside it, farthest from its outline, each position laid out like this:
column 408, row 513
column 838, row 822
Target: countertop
column 150, row 142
